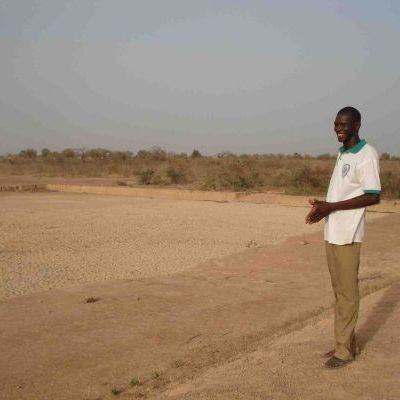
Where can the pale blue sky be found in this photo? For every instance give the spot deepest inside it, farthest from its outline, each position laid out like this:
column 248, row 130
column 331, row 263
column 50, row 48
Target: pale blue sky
column 242, row 76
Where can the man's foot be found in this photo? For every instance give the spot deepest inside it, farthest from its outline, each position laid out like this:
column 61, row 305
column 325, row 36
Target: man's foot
column 331, row 353
column 335, row 363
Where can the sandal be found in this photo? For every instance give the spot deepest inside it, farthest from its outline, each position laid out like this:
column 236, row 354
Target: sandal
column 334, row 363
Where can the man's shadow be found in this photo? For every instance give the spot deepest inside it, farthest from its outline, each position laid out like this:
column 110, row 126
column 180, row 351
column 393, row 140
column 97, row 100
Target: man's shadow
column 379, row 315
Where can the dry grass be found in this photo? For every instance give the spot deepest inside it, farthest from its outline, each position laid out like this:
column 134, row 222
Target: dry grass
column 292, row 174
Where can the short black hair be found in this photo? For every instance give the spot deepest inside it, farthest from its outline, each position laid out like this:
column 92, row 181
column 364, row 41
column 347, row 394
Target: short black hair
column 353, row 112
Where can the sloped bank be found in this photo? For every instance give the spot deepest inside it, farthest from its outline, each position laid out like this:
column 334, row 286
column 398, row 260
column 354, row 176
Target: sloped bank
column 185, row 194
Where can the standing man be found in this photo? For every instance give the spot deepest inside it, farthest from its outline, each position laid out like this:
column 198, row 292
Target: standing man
column 354, row 185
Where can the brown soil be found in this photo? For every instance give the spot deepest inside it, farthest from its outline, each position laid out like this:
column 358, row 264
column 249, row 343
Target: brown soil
column 223, row 329
column 290, row 367
column 54, row 240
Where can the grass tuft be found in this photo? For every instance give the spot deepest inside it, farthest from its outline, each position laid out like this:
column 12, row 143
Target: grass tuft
column 135, row 382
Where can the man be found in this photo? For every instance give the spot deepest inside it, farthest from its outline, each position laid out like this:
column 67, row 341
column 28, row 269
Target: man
column 354, row 185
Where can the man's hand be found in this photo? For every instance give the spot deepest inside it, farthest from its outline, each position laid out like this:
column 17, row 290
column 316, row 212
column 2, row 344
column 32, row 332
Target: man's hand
column 320, row 209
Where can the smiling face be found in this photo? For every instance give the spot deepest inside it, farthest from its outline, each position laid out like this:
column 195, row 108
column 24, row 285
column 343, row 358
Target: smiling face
column 347, row 129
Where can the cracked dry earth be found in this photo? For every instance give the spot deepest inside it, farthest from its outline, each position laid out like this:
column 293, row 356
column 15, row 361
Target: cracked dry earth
column 239, row 322
column 53, row 240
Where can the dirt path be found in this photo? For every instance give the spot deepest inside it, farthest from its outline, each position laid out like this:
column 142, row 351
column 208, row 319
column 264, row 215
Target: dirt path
column 143, row 337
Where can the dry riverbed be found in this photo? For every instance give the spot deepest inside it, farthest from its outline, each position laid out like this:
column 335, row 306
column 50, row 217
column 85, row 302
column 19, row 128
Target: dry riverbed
column 182, row 300
column 54, row 240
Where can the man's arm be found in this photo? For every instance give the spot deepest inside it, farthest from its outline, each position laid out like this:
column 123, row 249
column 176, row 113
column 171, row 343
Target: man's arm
column 321, row 209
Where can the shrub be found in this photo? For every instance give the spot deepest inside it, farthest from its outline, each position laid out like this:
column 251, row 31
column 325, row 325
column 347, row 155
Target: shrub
column 159, row 180
column 101, row 154
column 121, row 155
column 68, row 153
column 325, row 156
column 240, row 183
column 28, row 153
column 195, row 154
column 155, row 154
column 306, row 180
column 145, row 176
column 176, row 174
column 45, row 152
column 233, row 174
column 390, row 184
column 297, row 156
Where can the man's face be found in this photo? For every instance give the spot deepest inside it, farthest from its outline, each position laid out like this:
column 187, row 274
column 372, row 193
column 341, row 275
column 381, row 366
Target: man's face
column 345, row 127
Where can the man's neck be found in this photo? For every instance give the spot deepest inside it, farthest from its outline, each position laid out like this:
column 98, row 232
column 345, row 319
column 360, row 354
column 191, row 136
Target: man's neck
column 351, row 142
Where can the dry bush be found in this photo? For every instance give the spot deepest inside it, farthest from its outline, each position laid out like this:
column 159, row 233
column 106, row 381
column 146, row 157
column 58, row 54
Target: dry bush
column 307, row 180
column 295, row 174
column 146, row 176
column 232, row 173
column 177, row 174
column 390, row 184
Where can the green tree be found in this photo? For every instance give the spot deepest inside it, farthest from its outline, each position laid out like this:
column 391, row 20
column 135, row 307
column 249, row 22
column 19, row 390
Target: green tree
column 196, row 154
column 28, row 153
column 45, row 152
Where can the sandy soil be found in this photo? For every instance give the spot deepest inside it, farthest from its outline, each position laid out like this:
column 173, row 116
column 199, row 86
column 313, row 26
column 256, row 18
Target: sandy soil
column 52, row 240
column 290, row 367
column 247, row 325
column 6, row 180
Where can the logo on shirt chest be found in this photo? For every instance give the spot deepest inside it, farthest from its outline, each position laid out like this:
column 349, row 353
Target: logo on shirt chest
column 345, row 170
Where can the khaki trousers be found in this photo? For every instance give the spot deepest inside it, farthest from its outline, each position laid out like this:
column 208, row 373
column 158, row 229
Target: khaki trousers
column 343, row 264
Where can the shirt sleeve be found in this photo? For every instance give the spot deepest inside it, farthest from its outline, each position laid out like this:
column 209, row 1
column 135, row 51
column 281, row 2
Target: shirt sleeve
column 369, row 176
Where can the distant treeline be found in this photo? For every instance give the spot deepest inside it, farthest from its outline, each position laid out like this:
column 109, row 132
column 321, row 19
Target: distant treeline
column 294, row 174
column 155, row 153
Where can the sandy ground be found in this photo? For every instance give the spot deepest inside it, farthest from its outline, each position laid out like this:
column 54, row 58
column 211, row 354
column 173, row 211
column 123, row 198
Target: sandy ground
column 289, row 368
column 53, row 240
column 227, row 328
column 250, row 323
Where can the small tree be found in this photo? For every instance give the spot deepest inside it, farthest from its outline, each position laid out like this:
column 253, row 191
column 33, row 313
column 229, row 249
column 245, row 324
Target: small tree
column 297, row 156
column 68, row 153
column 196, row 154
column 158, row 154
column 45, row 152
column 28, row 153
column 324, row 156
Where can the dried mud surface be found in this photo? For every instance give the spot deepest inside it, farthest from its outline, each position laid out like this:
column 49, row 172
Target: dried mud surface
column 54, row 240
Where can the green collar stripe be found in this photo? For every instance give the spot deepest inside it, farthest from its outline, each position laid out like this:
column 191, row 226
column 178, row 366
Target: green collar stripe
column 373, row 191
column 355, row 149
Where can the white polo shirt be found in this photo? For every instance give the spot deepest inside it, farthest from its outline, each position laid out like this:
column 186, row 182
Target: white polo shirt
column 356, row 172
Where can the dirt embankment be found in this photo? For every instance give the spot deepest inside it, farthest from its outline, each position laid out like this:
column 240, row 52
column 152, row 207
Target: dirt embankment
column 109, row 186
